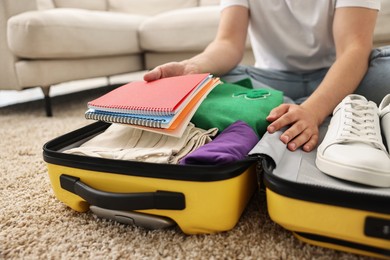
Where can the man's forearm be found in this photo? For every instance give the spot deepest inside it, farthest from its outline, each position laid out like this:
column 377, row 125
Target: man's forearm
column 218, row 58
column 342, row 79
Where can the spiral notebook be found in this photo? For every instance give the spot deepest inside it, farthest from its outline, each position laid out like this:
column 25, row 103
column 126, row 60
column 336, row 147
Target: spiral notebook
column 162, row 97
column 173, row 125
column 131, row 119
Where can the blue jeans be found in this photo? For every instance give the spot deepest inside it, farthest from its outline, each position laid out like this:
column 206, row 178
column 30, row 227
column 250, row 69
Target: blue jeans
column 298, row 86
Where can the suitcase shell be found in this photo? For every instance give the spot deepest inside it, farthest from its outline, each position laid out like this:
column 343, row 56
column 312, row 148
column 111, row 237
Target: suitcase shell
column 323, row 210
column 200, row 199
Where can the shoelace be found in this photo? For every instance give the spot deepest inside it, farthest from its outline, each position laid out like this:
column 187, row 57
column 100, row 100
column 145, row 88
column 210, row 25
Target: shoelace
column 359, row 124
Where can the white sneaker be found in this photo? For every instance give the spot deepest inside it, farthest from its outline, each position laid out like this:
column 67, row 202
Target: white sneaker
column 384, row 115
column 352, row 148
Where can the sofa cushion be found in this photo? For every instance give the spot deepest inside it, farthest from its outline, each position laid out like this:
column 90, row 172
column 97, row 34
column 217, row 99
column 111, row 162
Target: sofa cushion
column 189, row 29
column 208, row 2
column 44, row 4
column 149, row 7
column 100, row 5
column 73, row 33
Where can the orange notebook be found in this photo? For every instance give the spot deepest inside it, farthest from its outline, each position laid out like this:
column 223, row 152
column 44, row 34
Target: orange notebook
column 164, row 96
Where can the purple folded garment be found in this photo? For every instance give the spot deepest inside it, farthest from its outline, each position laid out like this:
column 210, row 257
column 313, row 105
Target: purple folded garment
column 231, row 145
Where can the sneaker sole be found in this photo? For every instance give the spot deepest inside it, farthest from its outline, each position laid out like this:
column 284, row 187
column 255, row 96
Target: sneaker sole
column 354, row 174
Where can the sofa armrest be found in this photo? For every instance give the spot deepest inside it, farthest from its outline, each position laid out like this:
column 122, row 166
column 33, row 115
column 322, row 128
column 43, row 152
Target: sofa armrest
column 9, row 8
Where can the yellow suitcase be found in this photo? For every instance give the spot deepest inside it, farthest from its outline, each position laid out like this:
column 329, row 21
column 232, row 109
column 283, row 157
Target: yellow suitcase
column 199, row 199
column 320, row 209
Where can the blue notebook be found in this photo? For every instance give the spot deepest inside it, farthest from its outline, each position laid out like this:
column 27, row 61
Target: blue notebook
column 131, row 119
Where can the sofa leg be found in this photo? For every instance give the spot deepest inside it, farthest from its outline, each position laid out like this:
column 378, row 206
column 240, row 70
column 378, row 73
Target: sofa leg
column 48, row 109
column 108, row 81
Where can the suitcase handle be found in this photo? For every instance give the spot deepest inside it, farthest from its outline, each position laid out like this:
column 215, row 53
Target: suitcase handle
column 123, row 201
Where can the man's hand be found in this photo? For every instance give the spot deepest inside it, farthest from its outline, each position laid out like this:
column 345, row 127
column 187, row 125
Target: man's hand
column 303, row 126
column 171, row 69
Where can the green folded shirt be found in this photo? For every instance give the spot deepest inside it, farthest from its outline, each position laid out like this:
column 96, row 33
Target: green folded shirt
column 229, row 102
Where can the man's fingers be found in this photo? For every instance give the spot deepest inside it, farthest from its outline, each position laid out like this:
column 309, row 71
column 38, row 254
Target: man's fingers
column 311, row 144
column 307, row 139
column 277, row 112
column 153, row 74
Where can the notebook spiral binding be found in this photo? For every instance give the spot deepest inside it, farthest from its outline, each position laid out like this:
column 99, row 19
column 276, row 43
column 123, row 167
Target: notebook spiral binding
column 113, row 118
column 135, row 110
column 145, row 111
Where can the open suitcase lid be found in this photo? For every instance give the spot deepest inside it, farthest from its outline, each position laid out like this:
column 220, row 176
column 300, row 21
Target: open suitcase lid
column 295, row 175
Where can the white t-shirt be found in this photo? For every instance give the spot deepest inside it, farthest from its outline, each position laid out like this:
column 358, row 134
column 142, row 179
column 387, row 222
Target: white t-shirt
column 294, row 35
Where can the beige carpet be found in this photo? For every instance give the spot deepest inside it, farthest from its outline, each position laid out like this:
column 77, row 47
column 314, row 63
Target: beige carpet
column 35, row 225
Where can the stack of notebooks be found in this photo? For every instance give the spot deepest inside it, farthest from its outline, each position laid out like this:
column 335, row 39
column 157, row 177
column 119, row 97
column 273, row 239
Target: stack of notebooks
column 163, row 106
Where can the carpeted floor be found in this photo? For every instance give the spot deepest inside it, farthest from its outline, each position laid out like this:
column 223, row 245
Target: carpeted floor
column 35, row 225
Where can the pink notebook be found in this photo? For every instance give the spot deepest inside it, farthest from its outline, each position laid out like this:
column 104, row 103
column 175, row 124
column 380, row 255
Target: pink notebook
column 164, row 96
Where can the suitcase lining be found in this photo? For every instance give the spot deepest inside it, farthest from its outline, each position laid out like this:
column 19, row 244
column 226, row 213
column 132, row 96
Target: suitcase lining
column 321, row 194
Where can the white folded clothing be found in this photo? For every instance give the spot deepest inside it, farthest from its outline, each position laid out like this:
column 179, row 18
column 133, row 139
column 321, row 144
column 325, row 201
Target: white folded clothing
column 123, row 142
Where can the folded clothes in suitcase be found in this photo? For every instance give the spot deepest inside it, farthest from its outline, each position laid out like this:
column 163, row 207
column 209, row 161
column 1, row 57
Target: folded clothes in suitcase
column 199, row 199
column 320, row 209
